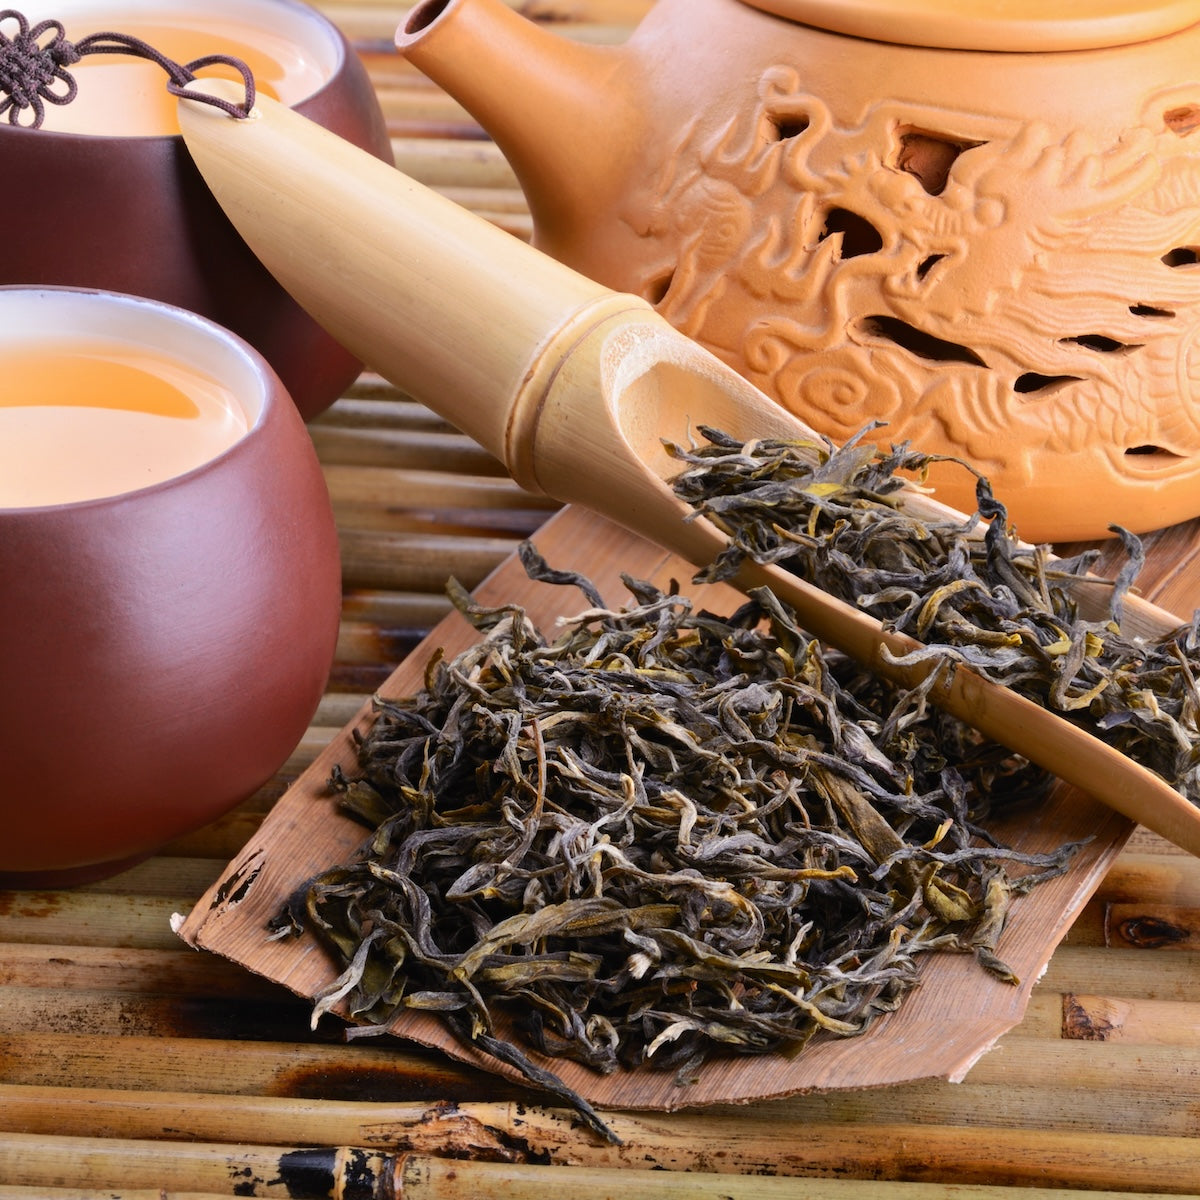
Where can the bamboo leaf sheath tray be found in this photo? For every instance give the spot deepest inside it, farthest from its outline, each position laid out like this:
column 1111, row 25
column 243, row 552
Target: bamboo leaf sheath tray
column 955, row 1014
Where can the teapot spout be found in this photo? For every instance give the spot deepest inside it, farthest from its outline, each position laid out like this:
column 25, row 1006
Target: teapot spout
column 556, row 108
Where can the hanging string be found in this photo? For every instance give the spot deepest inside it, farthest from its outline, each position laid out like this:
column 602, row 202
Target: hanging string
column 33, row 75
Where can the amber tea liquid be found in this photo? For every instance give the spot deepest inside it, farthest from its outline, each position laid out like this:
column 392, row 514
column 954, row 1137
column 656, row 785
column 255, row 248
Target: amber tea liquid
column 124, row 96
column 80, row 420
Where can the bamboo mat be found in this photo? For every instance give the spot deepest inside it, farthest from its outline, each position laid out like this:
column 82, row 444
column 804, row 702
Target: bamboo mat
column 131, row 1066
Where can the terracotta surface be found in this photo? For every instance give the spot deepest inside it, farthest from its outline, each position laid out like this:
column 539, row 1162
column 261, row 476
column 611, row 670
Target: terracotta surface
column 995, row 254
column 130, row 214
column 1012, row 25
column 162, row 651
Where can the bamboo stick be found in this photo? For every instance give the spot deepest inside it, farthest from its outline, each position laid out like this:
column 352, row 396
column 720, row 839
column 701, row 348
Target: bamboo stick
column 412, row 448
column 1094, row 1066
column 437, row 491
column 421, row 1177
column 106, row 1014
column 1153, row 926
column 371, row 386
column 221, row 838
column 426, row 1178
column 291, row 1086
column 465, row 522
column 229, row 1170
column 357, row 677
column 91, row 919
column 895, row 1151
column 160, row 876
column 454, row 164
column 314, row 740
column 377, row 52
column 414, row 562
column 338, row 709
column 1146, row 841
column 1131, row 973
column 406, row 125
column 361, row 643
column 366, row 22
column 380, row 411
column 1137, row 881
column 1167, row 878
column 174, row 972
column 1145, row 1022
column 410, row 106
column 1088, row 927
column 75, row 1193
column 1111, row 1016
column 399, row 609
column 501, row 202
column 983, row 1109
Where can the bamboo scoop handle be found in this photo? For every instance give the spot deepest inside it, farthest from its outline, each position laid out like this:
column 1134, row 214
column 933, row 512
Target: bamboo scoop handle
column 469, row 316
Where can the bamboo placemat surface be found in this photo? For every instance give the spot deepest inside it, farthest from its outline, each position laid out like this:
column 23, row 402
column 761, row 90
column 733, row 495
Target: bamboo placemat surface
column 131, row 1066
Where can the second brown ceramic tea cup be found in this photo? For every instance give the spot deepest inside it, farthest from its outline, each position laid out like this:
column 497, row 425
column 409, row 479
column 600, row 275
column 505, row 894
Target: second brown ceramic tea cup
column 167, row 619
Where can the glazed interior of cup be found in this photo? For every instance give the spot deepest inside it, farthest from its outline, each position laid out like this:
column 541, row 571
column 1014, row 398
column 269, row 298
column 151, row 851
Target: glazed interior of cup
column 102, row 394
column 291, row 50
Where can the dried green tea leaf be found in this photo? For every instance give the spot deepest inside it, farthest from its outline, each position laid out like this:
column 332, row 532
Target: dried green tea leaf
column 663, row 835
column 1005, row 609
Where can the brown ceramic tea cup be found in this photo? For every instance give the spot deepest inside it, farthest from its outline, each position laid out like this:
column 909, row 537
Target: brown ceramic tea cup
column 110, row 201
column 162, row 647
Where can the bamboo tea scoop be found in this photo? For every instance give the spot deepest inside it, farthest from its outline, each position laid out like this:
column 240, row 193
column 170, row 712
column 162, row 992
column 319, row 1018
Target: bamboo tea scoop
column 573, row 387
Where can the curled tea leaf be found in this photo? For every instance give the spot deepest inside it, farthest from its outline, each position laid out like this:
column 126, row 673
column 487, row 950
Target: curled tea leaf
column 663, row 835
column 1007, row 610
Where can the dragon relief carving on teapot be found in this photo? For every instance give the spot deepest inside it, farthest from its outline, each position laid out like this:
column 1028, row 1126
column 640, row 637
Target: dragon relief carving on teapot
column 844, row 251
column 995, row 254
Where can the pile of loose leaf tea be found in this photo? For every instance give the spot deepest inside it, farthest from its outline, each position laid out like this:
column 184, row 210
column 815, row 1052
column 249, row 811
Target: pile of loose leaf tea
column 663, row 835
column 1005, row 609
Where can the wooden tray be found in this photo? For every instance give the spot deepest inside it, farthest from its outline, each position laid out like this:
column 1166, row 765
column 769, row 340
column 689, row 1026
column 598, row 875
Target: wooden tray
column 956, row 1013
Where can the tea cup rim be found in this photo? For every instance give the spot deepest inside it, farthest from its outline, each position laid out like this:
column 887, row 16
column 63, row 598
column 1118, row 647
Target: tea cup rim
column 271, row 395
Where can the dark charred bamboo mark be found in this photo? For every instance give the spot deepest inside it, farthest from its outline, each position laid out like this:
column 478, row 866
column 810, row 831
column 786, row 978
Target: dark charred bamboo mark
column 1079, row 1024
column 1151, row 933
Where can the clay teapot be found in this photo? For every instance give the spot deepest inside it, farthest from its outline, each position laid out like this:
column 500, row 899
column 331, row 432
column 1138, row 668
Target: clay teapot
column 975, row 224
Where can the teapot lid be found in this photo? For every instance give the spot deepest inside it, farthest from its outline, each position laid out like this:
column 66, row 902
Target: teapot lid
column 1005, row 25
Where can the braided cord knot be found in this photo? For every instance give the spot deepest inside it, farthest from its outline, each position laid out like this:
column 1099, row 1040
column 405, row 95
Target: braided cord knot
column 30, row 70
